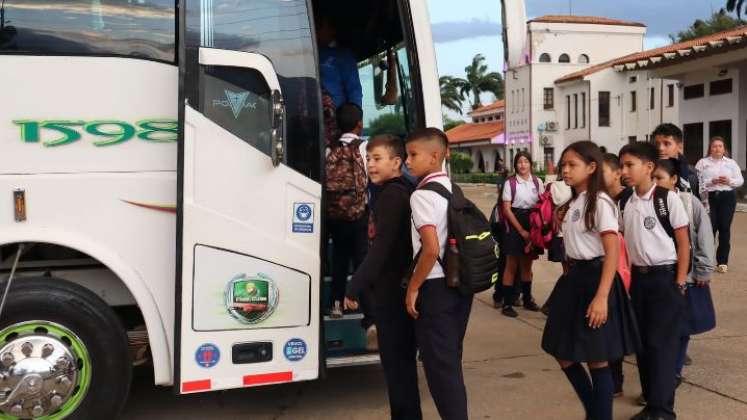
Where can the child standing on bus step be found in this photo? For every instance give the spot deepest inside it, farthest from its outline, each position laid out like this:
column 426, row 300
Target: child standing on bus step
column 520, row 193
column 614, row 188
column 383, row 269
column 441, row 313
column 347, row 199
column 655, row 225
column 591, row 319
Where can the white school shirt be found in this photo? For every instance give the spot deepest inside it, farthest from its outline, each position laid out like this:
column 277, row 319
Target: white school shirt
column 430, row 209
column 710, row 168
column 583, row 244
column 348, row 138
column 646, row 240
column 527, row 194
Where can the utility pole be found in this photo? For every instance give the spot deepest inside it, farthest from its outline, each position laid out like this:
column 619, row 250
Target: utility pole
column 570, row 7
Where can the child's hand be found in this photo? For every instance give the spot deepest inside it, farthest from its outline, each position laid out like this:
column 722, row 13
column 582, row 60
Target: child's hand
column 410, row 301
column 597, row 312
column 350, row 305
column 524, row 234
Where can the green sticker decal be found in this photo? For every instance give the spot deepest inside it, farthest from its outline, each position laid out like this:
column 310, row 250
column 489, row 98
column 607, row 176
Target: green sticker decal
column 107, row 132
column 251, row 299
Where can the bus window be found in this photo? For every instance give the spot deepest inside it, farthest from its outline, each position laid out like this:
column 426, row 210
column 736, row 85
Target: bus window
column 238, row 100
column 143, row 29
column 396, row 118
column 281, row 31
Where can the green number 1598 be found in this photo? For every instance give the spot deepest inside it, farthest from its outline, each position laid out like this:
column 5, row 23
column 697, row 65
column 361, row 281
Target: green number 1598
column 109, row 132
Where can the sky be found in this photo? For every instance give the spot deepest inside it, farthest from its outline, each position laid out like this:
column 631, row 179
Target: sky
column 464, row 28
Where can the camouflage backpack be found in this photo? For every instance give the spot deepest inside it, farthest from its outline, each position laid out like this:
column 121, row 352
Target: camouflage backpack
column 347, row 182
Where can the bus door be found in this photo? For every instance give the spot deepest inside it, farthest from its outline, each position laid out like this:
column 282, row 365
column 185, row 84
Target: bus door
column 248, row 256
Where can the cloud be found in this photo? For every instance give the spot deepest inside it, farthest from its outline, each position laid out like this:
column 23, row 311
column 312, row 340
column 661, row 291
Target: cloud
column 457, row 30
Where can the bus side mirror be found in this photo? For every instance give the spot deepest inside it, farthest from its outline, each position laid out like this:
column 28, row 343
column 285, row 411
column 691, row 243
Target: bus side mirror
column 278, row 128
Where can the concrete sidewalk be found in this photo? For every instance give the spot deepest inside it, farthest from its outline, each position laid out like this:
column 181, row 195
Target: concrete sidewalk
column 507, row 374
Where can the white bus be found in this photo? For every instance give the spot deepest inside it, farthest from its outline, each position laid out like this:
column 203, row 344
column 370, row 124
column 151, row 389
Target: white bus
column 161, row 190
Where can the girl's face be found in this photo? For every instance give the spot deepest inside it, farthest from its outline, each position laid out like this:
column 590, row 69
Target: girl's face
column 717, row 149
column 611, row 177
column 523, row 167
column 663, row 179
column 575, row 171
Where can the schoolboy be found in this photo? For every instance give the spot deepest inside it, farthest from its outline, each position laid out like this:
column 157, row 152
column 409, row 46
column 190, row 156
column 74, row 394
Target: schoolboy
column 669, row 141
column 660, row 259
column 386, row 263
column 441, row 313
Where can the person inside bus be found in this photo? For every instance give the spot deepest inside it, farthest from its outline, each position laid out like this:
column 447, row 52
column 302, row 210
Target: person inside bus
column 338, row 71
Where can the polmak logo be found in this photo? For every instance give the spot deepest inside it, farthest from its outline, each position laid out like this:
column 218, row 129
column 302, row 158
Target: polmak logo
column 236, row 101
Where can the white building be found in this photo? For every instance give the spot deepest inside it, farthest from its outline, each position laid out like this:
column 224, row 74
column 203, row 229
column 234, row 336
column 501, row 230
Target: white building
column 536, row 108
column 483, row 138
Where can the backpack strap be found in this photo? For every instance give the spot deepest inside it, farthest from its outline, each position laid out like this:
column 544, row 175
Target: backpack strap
column 439, row 189
column 662, row 209
column 512, row 183
column 536, row 184
column 624, row 198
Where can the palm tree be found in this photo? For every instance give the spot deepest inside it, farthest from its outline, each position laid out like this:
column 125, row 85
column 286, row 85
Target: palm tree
column 450, row 97
column 478, row 80
column 736, row 4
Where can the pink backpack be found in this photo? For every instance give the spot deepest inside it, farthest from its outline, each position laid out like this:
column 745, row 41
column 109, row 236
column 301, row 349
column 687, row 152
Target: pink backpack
column 623, row 264
column 541, row 221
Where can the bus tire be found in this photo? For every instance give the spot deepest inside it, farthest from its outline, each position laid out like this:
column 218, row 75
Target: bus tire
column 70, row 308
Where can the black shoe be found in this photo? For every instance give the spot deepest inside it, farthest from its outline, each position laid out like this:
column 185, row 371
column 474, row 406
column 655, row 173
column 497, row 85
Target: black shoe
column 509, row 311
column 531, row 305
column 677, row 381
column 643, row 415
column 688, row 360
column 545, row 309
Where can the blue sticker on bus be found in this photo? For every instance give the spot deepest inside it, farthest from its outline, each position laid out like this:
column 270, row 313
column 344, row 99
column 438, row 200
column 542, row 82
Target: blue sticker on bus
column 303, row 217
column 295, row 349
column 207, row 355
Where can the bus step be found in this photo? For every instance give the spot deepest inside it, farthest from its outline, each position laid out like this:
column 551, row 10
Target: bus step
column 353, row 360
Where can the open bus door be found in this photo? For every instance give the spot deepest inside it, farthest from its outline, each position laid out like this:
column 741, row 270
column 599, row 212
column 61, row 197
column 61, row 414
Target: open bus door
column 248, row 260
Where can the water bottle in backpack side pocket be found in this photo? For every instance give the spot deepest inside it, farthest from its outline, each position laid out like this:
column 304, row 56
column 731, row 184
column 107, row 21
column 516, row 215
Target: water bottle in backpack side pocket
column 452, row 264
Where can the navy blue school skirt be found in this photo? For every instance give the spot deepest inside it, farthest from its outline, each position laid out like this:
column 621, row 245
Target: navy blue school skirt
column 567, row 334
column 513, row 244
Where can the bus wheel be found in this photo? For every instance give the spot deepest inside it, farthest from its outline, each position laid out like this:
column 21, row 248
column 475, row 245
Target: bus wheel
column 63, row 353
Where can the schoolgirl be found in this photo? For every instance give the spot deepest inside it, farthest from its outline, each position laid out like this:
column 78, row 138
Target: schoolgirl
column 520, row 193
column 591, row 319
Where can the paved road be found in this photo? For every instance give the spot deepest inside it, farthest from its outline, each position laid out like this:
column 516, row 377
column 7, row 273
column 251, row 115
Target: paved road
column 507, row 374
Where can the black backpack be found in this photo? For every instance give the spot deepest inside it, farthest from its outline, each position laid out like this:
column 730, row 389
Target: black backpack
column 661, row 208
column 478, row 251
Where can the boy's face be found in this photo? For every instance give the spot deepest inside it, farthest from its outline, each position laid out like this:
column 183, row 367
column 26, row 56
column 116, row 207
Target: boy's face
column 668, row 147
column 383, row 165
column 611, row 176
column 635, row 171
column 422, row 157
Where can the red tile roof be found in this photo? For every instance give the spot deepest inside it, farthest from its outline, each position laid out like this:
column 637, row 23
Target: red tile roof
column 702, row 43
column 490, row 107
column 589, row 20
column 474, row 132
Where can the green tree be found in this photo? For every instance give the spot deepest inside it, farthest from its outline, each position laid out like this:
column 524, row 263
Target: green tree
column 387, row 124
column 737, row 5
column 460, row 163
column 451, row 98
column 478, row 80
column 718, row 22
column 449, row 123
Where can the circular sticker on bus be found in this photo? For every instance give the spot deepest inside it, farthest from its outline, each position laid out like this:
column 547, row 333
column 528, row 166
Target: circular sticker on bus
column 207, row 355
column 251, row 299
column 294, row 349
